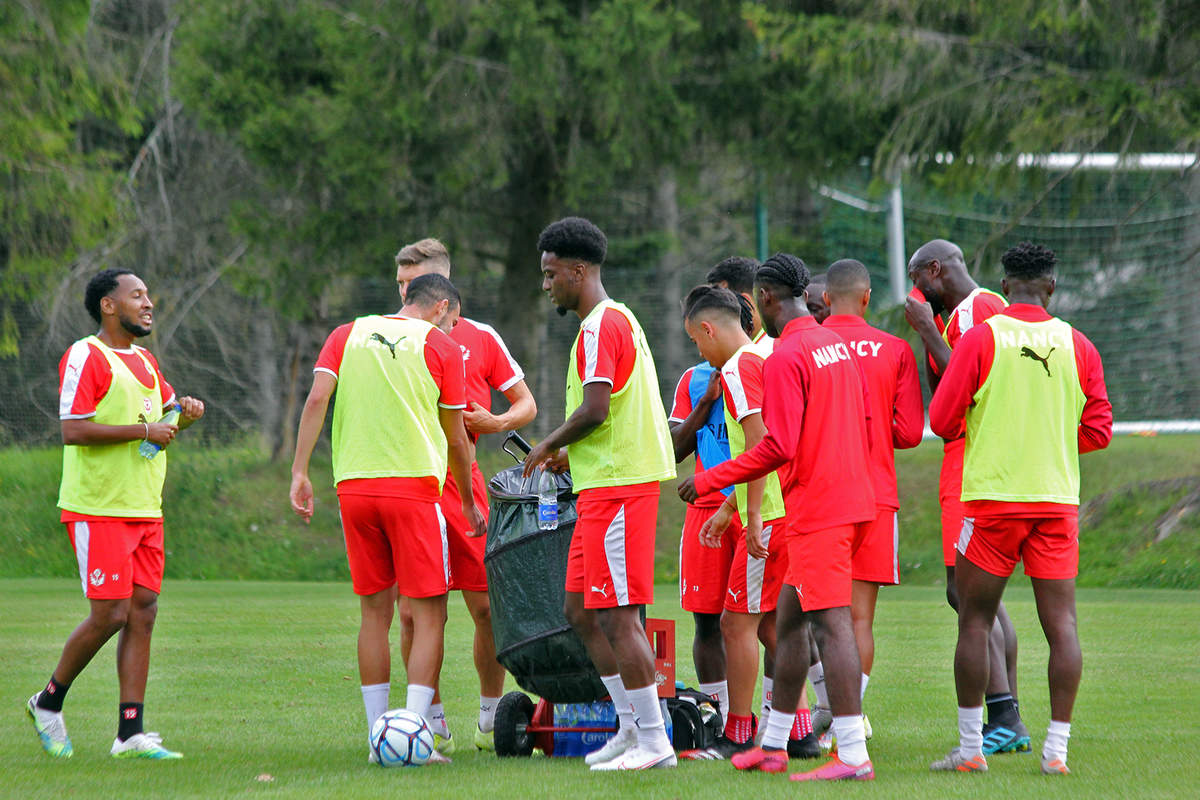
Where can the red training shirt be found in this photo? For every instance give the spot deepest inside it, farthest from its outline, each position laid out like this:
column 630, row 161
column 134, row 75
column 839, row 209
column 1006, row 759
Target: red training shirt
column 969, row 368
column 816, row 417
column 897, row 410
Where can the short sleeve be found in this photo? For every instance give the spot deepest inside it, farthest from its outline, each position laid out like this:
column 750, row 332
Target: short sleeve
column 330, row 359
column 503, row 371
column 443, row 357
column 165, row 389
column 606, row 352
column 682, row 405
column 743, row 385
column 84, row 378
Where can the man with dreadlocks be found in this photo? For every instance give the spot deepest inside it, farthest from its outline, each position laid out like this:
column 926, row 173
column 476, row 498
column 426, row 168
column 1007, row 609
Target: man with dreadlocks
column 1020, row 486
column 813, row 403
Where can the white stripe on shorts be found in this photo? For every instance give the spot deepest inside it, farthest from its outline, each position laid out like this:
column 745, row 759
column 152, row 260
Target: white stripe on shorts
column 964, row 538
column 756, row 569
column 445, row 544
column 614, row 553
column 895, row 547
column 82, row 534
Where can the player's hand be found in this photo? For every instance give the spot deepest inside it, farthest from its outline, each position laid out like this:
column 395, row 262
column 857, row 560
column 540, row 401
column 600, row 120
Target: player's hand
column 714, row 527
column 190, row 408
column 543, row 457
column 480, row 421
column 918, row 313
column 687, row 489
column 161, row 433
column 712, row 392
column 475, row 519
column 301, row 495
column 559, row 462
column 754, row 542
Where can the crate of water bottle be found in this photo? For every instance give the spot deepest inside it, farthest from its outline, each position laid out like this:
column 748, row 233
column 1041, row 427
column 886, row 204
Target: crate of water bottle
column 600, row 714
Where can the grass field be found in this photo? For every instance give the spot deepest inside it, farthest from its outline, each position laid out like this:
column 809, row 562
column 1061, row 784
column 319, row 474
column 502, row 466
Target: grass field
column 255, row 680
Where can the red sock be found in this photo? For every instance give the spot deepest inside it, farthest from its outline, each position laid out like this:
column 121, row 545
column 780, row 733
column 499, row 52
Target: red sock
column 802, row 725
column 738, row 729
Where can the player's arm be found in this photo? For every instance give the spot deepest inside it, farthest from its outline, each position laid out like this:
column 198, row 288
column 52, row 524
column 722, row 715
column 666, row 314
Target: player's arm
column 1095, row 423
column 908, row 410
column 920, row 316
column 964, row 376
column 755, row 431
column 90, row 432
column 522, row 409
column 683, row 434
column 461, row 455
column 312, row 419
column 590, row 415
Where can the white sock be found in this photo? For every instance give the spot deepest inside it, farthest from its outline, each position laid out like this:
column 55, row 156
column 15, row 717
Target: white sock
column 970, row 731
column 437, row 720
column 851, row 739
column 719, row 690
column 647, row 717
column 375, row 701
column 616, row 690
column 816, row 676
column 1057, row 735
column 487, row 713
column 779, row 728
column 863, row 691
column 418, row 699
column 767, row 697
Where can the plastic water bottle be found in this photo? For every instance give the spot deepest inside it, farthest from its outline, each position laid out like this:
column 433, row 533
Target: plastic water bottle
column 547, row 501
column 149, row 449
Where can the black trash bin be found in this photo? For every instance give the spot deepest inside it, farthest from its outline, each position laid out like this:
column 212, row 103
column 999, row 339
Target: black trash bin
column 526, row 569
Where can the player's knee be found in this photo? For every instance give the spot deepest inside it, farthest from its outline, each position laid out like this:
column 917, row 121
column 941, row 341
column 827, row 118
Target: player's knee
column 110, row 618
column 952, row 596
column 708, row 627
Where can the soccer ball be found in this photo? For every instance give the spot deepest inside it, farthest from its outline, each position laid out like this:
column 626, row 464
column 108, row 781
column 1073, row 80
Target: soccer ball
column 400, row 738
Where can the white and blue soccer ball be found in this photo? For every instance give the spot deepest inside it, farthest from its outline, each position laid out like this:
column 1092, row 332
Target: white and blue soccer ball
column 400, row 738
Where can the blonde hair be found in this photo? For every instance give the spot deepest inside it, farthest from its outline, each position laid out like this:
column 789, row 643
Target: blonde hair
column 430, row 252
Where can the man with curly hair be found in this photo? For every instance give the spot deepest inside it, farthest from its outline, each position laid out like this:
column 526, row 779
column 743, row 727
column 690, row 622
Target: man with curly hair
column 1028, row 392
column 616, row 441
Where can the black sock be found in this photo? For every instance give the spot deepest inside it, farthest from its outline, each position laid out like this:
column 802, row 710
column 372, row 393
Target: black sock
column 51, row 698
column 1001, row 707
column 130, row 721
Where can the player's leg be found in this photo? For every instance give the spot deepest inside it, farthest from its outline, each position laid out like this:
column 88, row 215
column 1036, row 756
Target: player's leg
column 740, row 631
column 490, row 671
column 1004, row 731
column 703, row 576
column 864, row 595
column 428, row 649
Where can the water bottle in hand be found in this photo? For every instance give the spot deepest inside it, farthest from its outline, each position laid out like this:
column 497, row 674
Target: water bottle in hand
column 149, row 449
column 547, row 501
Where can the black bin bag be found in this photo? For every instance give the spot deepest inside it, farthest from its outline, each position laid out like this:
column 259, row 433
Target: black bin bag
column 526, row 570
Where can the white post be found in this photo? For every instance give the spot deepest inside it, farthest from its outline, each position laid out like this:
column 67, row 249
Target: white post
column 897, row 257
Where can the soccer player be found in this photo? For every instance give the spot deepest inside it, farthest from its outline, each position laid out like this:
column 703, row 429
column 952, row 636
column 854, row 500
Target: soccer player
column 1028, row 392
column 488, row 366
column 897, row 419
column 618, row 447
column 397, row 414
column 938, row 270
column 713, row 322
column 815, row 300
column 111, row 398
column 736, row 273
column 813, row 405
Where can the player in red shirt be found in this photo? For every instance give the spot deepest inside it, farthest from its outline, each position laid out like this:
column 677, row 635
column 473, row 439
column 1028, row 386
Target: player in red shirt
column 488, row 366
column 398, row 413
column 111, row 396
column 1022, row 495
column 938, row 271
column 815, row 300
column 814, row 404
column 897, row 420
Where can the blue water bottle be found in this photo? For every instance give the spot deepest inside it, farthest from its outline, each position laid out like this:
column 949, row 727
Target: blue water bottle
column 547, row 501
column 149, row 449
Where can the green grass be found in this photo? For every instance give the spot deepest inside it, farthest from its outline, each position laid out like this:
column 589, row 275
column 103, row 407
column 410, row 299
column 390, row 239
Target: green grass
column 227, row 516
column 251, row 679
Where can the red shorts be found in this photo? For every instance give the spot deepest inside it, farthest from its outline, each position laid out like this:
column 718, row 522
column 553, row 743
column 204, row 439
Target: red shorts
column 1048, row 546
column 950, row 495
column 876, row 549
column 395, row 541
column 466, row 552
column 819, row 565
column 704, row 571
column 754, row 583
column 611, row 561
column 115, row 555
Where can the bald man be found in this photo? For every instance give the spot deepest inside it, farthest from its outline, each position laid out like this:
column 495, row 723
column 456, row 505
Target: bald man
column 939, row 272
